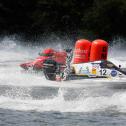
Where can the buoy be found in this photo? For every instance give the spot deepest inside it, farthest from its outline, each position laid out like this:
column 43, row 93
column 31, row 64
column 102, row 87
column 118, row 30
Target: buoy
column 82, row 51
column 99, row 50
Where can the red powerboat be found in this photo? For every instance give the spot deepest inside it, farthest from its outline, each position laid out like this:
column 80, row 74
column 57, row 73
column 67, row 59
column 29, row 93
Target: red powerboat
column 49, row 53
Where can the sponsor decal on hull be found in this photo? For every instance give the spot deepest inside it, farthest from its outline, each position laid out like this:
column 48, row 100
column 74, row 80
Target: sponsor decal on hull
column 113, row 73
column 94, row 71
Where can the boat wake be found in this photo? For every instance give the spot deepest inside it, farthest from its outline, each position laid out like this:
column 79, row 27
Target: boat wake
column 83, row 102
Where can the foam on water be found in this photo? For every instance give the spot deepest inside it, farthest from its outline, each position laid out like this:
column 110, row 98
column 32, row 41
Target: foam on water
column 116, row 102
column 12, row 54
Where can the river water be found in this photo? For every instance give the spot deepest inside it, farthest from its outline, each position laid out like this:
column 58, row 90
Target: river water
column 28, row 99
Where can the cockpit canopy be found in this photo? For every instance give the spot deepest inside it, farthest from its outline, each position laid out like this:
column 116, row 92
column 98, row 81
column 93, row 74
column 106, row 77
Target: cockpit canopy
column 47, row 52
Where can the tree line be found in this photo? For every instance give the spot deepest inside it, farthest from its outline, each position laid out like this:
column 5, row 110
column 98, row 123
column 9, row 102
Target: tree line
column 91, row 17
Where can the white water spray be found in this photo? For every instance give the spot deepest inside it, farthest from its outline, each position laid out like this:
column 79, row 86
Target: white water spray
column 12, row 53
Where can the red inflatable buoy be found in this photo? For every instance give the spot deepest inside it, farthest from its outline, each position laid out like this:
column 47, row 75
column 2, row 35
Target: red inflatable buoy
column 99, row 50
column 82, row 51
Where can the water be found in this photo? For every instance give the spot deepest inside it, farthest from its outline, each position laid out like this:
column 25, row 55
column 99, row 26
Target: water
column 27, row 98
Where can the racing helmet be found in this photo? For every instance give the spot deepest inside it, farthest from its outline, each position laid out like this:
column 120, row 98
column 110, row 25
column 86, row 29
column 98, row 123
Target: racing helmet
column 47, row 52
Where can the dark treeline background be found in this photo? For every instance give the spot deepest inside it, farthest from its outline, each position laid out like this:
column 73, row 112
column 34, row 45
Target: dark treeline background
column 100, row 18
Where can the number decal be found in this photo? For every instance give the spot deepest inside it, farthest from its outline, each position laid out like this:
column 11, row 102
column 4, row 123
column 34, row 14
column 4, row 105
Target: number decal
column 103, row 72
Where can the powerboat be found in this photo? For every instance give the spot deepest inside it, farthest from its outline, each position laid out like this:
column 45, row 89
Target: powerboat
column 88, row 60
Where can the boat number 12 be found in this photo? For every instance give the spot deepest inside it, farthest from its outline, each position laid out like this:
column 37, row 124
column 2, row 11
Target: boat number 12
column 103, row 72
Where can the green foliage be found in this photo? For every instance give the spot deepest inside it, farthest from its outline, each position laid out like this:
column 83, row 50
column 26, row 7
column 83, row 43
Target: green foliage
column 101, row 18
column 106, row 18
